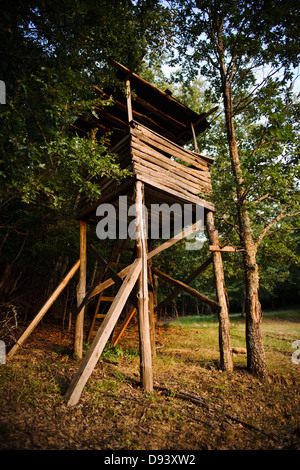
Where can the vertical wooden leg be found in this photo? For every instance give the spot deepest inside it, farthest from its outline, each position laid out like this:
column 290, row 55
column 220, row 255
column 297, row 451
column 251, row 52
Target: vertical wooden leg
column 151, row 309
column 143, row 300
column 81, row 288
column 224, row 323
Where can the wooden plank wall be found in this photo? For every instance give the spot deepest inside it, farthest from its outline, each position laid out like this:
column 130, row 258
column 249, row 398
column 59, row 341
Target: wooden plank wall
column 160, row 163
column 155, row 161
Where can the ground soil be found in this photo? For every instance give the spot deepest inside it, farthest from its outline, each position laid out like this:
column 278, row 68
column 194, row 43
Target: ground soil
column 194, row 405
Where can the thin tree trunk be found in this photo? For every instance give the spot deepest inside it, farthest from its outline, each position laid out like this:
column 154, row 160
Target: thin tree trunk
column 256, row 360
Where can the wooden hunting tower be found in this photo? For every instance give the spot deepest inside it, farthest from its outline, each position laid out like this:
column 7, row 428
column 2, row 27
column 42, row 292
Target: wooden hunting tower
column 148, row 128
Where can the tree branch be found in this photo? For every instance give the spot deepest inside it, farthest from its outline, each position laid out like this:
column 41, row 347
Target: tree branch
column 260, row 199
column 276, row 219
column 237, row 107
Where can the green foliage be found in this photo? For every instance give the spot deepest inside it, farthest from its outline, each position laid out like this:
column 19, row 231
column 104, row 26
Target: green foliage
column 52, row 53
column 246, row 51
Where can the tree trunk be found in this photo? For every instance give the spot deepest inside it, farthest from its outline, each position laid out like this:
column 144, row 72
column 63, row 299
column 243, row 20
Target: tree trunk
column 256, row 360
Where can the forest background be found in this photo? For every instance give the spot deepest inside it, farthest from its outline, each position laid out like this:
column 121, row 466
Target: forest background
column 51, row 55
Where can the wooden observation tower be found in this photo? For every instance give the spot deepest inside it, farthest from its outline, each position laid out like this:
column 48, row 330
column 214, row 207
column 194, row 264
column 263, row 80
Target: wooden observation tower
column 148, row 129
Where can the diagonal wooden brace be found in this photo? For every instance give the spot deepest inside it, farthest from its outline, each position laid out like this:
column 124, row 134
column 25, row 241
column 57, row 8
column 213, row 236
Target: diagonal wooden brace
column 186, row 288
column 91, row 358
column 115, row 277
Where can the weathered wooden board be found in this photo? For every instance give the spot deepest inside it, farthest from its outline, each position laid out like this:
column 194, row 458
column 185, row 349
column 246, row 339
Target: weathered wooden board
column 186, row 288
column 175, row 191
column 44, row 309
column 94, row 352
column 168, row 178
column 197, row 160
column 148, row 154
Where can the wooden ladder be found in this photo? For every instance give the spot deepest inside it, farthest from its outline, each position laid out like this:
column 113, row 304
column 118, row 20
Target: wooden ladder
column 93, row 328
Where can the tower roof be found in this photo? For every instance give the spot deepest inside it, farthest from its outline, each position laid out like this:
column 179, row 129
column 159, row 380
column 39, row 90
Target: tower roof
column 152, row 107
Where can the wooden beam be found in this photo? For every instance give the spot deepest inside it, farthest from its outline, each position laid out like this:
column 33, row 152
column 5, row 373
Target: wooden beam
column 186, row 288
column 115, row 277
column 196, row 149
column 44, row 309
column 151, row 308
column 224, row 249
column 81, row 287
column 124, row 325
column 224, row 323
column 91, row 358
column 143, row 296
column 179, row 236
column 129, row 103
column 187, row 281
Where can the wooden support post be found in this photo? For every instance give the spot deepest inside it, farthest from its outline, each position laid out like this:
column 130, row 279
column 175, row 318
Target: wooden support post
column 129, row 103
column 44, row 309
column 180, row 236
column 81, row 287
column 224, row 323
column 151, row 309
column 124, row 325
column 187, row 281
column 186, row 288
column 196, row 149
column 91, row 358
column 143, row 300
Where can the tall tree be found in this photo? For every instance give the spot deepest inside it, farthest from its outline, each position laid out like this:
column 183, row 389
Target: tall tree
column 51, row 53
column 242, row 48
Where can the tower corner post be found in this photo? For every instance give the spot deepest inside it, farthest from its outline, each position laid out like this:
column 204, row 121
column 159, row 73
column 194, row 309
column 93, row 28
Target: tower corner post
column 143, row 295
column 81, row 291
column 224, row 322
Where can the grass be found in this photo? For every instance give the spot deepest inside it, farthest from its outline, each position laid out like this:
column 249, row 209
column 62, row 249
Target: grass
column 280, row 329
column 192, row 321
column 115, row 413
